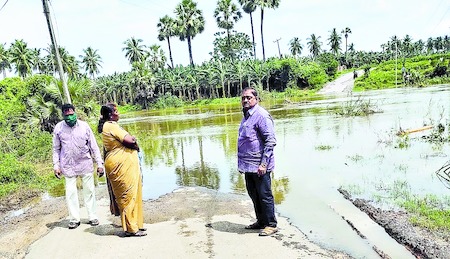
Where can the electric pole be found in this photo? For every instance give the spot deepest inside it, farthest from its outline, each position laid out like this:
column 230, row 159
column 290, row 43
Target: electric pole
column 278, row 43
column 56, row 49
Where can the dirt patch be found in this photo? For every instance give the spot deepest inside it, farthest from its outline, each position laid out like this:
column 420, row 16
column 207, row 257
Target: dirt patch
column 422, row 242
column 187, row 223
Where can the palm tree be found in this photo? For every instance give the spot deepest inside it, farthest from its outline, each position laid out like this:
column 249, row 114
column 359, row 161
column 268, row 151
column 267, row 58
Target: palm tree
column 21, row 58
column 38, row 62
column 167, row 28
column 346, row 31
column 295, row 46
column 249, row 7
column 91, row 61
column 351, row 47
column 156, row 57
column 438, row 44
column 265, row 4
column 314, row 45
column 430, row 45
column 226, row 14
column 190, row 23
column 69, row 63
column 407, row 46
column 134, row 51
column 4, row 60
column 335, row 42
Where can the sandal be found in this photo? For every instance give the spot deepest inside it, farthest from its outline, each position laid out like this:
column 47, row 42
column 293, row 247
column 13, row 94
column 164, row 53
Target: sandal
column 94, row 222
column 255, row 225
column 268, row 231
column 73, row 224
column 137, row 234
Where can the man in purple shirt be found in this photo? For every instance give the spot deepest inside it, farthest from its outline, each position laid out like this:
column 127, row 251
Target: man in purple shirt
column 255, row 159
column 74, row 145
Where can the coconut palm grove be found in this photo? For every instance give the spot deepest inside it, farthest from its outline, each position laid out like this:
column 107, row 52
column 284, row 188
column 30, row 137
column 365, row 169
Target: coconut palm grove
column 30, row 98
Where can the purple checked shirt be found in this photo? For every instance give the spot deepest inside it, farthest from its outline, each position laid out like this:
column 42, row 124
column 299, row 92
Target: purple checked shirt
column 73, row 149
column 256, row 141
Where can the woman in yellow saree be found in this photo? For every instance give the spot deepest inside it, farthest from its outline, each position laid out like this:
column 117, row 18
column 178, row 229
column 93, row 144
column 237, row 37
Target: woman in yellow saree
column 122, row 170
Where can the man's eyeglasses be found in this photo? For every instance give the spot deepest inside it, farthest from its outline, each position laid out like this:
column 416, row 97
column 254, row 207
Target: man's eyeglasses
column 247, row 97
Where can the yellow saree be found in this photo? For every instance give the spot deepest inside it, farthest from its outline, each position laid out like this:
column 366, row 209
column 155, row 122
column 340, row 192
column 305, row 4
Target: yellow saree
column 122, row 170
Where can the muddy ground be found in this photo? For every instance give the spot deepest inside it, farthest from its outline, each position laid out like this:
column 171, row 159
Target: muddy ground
column 19, row 232
column 422, row 242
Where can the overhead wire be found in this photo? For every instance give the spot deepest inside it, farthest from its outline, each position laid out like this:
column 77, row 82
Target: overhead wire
column 442, row 18
column 1, row 8
column 56, row 22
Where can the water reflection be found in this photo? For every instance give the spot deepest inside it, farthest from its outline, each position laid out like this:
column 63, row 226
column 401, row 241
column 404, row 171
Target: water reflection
column 197, row 146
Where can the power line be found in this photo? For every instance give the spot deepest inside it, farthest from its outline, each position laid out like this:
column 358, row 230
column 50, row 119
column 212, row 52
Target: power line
column 440, row 20
column 3, row 5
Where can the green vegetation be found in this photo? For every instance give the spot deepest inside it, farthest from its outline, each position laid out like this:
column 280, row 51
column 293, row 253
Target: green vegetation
column 418, row 71
column 323, row 147
column 356, row 107
column 429, row 212
column 29, row 103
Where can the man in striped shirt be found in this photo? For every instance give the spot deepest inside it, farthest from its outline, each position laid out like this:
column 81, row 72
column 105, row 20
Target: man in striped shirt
column 256, row 141
column 74, row 146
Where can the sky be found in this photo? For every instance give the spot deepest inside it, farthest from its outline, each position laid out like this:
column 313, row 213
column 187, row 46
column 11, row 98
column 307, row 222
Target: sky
column 104, row 25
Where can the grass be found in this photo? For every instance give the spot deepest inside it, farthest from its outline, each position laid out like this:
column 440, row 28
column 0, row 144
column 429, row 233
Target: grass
column 356, row 158
column 357, row 107
column 323, row 147
column 428, row 212
column 388, row 74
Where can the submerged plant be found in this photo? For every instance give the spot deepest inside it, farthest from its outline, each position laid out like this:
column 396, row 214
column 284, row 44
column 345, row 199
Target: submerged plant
column 402, row 142
column 323, row 147
column 357, row 107
column 355, row 158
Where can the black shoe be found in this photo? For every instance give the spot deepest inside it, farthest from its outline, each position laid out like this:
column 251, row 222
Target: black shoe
column 94, row 222
column 73, row 225
column 255, row 225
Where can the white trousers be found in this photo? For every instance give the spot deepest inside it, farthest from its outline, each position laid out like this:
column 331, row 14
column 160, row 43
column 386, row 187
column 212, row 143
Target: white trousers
column 73, row 204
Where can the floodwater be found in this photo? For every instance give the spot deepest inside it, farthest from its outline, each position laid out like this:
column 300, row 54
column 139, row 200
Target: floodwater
column 317, row 152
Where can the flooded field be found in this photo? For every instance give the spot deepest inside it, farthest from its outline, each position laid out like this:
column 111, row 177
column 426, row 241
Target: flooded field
column 317, row 152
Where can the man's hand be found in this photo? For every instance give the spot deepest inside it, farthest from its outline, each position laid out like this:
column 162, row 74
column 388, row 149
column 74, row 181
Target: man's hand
column 58, row 173
column 262, row 170
column 100, row 171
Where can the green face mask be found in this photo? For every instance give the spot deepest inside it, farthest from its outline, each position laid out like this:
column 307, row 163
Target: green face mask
column 71, row 119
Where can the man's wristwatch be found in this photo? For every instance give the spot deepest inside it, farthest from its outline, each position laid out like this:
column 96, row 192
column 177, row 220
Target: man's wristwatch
column 263, row 165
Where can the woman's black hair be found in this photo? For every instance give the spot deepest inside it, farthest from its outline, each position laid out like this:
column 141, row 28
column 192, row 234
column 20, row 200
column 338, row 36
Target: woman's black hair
column 105, row 115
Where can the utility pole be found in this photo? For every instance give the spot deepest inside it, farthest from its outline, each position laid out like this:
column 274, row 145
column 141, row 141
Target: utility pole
column 396, row 63
column 278, row 43
column 56, row 49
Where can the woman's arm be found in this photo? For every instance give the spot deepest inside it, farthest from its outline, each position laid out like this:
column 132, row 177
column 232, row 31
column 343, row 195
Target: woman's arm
column 130, row 142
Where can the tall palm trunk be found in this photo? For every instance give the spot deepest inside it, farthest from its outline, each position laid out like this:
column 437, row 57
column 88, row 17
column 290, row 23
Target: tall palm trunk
column 190, row 50
column 229, row 45
column 253, row 36
column 262, row 34
column 170, row 51
column 346, row 36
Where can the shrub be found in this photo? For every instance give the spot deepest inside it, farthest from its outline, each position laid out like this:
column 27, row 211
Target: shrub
column 14, row 171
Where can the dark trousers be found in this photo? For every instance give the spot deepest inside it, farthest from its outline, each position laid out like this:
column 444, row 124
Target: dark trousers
column 260, row 191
